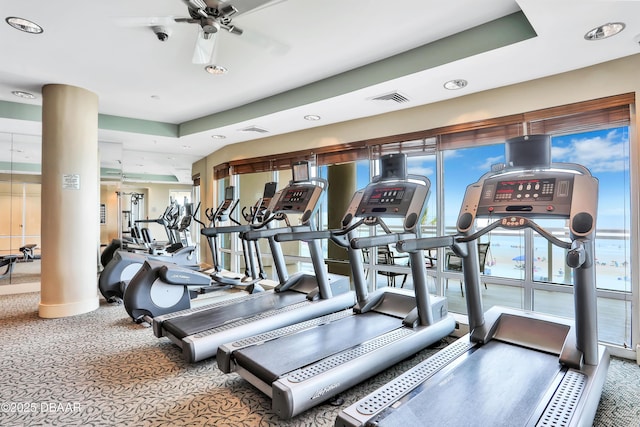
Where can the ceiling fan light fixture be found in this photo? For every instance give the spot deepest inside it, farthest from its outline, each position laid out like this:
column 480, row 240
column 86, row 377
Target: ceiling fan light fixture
column 455, row 84
column 604, row 31
column 216, row 69
column 24, row 25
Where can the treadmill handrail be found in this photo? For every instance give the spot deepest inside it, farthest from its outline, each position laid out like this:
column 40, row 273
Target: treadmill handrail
column 271, row 232
column 522, row 222
column 385, row 239
column 444, row 241
column 412, row 245
column 227, row 229
column 337, row 235
column 304, row 236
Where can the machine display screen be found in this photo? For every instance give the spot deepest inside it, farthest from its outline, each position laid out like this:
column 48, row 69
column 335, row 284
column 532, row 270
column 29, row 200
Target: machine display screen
column 229, row 193
column 300, row 171
column 525, row 190
column 294, row 195
column 386, row 196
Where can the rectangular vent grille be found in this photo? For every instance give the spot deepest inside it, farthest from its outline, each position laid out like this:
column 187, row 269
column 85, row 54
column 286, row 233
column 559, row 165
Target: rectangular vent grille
column 393, row 96
column 254, row 129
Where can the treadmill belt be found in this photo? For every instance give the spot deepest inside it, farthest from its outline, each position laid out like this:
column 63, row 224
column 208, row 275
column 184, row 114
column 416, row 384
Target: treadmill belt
column 498, row 385
column 271, row 360
column 184, row 326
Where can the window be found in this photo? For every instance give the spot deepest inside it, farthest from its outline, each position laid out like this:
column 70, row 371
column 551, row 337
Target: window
column 521, row 268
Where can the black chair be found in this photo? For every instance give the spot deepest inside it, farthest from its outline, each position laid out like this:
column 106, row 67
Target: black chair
column 430, row 258
column 387, row 257
column 454, row 263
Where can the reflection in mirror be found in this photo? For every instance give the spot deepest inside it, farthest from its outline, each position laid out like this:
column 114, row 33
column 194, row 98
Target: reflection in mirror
column 110, row 187
column 20, row 179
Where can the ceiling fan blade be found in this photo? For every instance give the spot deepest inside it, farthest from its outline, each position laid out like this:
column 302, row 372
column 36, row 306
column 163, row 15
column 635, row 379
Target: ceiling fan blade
column 244, row 6
column 146, row 21
column 198, row 6
column 203, row 52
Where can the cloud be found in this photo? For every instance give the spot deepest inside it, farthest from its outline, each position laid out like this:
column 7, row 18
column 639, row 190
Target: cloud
column 423, row 171
column 600, row 153
column 450, row 154
column 417, row 166
column 488, row 162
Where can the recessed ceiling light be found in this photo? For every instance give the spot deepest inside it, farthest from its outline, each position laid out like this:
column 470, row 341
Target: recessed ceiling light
column 24, row 25
column 215, row 69
column 604, row 31
column 312, row 117
column 23, row 94
column 218, row 136
column 455, row 84
column 186, row 147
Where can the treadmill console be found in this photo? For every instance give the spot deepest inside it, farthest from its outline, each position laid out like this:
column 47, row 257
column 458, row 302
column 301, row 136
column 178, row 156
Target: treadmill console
column 386, row 200
column 392, row 199
column 548, row 193
column 544, row 194
column 297, row 198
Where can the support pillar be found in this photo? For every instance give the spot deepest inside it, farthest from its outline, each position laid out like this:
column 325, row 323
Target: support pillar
column 70, row 199
column 342, row 185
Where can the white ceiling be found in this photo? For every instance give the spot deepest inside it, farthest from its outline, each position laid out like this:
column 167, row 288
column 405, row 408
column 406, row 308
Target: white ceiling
column 296, row 57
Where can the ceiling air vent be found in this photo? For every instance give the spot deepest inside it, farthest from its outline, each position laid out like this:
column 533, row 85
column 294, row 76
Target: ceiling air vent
column 393, row 96
column 254, row 129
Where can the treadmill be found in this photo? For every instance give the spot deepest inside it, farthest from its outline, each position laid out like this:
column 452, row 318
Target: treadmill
column 199, row 331
column 515, row 367
column 306, row 364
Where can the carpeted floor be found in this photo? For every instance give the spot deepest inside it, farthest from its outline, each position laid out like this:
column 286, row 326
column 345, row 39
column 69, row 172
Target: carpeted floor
column 100, row 369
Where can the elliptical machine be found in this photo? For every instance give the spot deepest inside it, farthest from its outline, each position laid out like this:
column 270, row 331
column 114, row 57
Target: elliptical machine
column 160, row 287
column 139, row 239
column 125, row 264
column 254, row 268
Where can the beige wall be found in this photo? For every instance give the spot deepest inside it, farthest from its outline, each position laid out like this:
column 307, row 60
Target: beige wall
column 19, row 212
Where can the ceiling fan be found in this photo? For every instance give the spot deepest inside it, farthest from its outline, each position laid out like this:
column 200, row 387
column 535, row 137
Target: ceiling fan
column 212, row 16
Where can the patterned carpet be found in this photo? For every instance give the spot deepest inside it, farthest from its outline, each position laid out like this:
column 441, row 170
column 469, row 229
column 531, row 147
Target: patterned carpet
column 100, row 369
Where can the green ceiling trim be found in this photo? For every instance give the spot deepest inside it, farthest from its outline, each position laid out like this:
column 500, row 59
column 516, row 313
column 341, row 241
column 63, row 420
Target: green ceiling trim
column 16, row 167
column 495, row 34
column 15, row 110
column 143, row 177
column 113, row 174
column 146, row 127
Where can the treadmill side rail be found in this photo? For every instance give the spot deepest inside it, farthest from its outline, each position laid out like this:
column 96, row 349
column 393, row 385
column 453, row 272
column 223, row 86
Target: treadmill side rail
column 303, row 389
column 205, row 344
